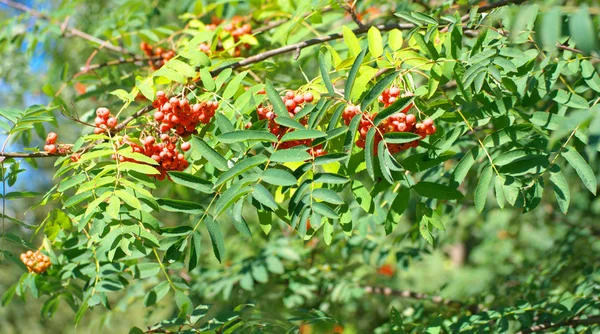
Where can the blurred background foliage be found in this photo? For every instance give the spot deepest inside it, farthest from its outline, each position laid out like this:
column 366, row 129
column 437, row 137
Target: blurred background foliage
column 499, row 258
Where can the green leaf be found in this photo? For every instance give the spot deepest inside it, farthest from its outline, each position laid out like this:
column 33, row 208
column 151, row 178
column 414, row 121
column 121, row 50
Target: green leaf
column 375, row 91
column 401, row 104
column 464, row 165
column 207, row 79
column 330, row 178
column 302, row 135
column 561, row 188
column 397, row 208
column 590, row 75
column 55, row 221
column 200, row 147
column 233, row 85
column 140, row 168
column 324, row 210
column 173, row 205
column 129, row 199
column 216, row 238
column 157, row 293
column 369, row 154
column 483, row 186
column 264, row 197
column 585, row 172
column 352, row 74
column 375, row 42
column 551, row 28
column 436, row 190
column 290, row 155
column 395, row 39
column 569, row 99
column 582, row 30
column 325, row 73
column 190, row 181
column 508, row 134
column 278, row 105
column 279, row 177
column 400, row 137
column 241, row 167
column 145, row 87
column 327, row 195
column 246, row 136
column 351, row 40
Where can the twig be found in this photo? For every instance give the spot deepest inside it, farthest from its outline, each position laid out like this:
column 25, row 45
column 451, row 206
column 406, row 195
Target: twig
column 486, row 8
column 351, row 10
column 411, row 294
column 572, row 322
column 72, row 31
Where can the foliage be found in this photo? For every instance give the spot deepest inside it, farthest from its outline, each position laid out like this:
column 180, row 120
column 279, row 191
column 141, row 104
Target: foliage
column 482, row 167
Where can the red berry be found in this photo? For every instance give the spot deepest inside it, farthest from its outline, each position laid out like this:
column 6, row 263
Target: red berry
column 159, row 116
column 308, row 97
column 51, row 148
column 111, row 122
column 51, row 138
column 185, row 146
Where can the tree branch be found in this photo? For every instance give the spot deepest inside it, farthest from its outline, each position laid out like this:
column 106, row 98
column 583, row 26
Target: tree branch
column 75, row 32
column 247, row 61
column 572, row 322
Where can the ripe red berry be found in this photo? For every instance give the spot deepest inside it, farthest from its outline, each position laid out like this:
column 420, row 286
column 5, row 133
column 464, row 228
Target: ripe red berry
column 159, row 116
column 51, row 138
column 308, row 97
column 51, row 148
column 111, row 122
column 185, row 146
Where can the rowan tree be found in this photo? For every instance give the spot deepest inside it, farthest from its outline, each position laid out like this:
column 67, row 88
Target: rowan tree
column 309, row 166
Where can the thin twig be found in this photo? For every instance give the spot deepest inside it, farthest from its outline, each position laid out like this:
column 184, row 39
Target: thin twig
column 72, row 31
column 572, row 322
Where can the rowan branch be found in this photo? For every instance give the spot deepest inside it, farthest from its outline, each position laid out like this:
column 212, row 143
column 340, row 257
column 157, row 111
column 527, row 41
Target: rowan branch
column 572, row 322
column 247, row 61
column 412, row 295
column 75, row 32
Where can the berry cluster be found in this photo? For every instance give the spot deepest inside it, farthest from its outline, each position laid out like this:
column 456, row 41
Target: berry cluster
column 36, row 262
column 162, row 56
column 104, row 120
column 390, row 95
column 236, row 28
column 178, row 114
column 399, row 122
column 52, row 147
column 293, row 103
column 165, row 152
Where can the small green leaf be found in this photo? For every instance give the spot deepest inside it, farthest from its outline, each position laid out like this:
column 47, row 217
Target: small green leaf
column 290, row 155
column 241, row 167
column 483, row 186
column 585, row 172
column 377, row 89
column 352, row 74
column 436, row 190
column 207, row 79
column 302, row 135
column 279, row 177
column 246, row 136
column 401, row 104
column 216, row 238
column 561, row 188
column 264, row 197
column 173, row 205
column 278, row 105
column 375, row 42
column 400, row 137
column 200, row 147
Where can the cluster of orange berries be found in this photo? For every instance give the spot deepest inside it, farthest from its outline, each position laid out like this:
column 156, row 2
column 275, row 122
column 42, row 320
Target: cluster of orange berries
column 162, row 56
column 178, row 114
column 389, row 96
column 52, row 147
column 293, row 103
column 399, row 122
column 104, row 120
column 166, row 153
column 36, row 262
column 236, row 28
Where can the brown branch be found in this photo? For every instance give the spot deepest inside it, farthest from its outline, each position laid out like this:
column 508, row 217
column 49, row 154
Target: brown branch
column 72, row 31
column 487, row 8
column 572, row 322
column 351, row 9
